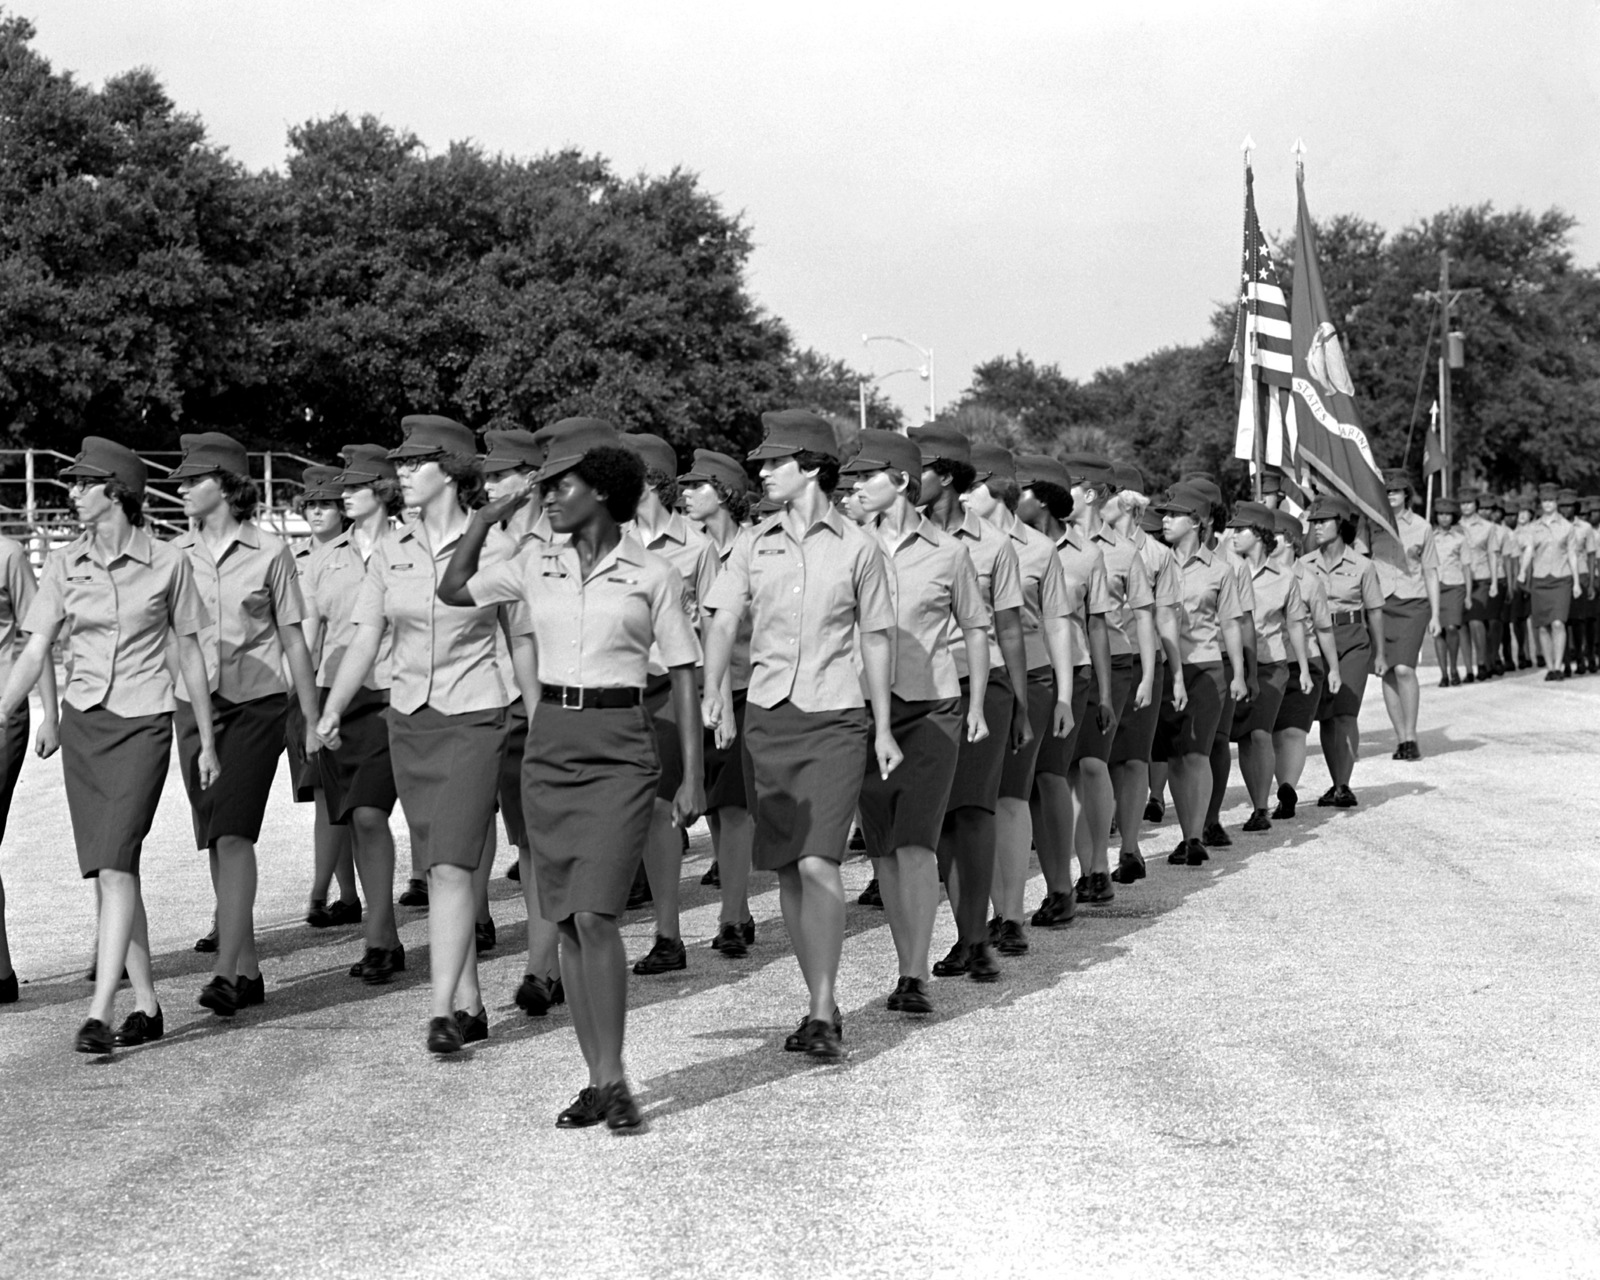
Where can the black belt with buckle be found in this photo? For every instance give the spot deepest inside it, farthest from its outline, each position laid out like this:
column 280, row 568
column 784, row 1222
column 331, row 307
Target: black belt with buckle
column 569, row 698
column 1342, row 617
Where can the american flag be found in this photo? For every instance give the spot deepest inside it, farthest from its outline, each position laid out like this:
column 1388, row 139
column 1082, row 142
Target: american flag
column 1263, row 354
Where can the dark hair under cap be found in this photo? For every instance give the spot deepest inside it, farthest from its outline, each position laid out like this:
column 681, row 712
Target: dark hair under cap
column 710, row 465
column 571, row 438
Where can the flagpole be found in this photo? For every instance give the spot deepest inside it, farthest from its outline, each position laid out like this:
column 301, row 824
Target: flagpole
column 1258, row 438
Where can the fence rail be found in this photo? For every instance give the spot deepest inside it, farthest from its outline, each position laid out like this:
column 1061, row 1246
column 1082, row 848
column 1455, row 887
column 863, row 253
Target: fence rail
column 35, row 511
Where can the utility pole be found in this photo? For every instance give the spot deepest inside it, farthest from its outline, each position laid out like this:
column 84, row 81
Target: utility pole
column 1447, row 476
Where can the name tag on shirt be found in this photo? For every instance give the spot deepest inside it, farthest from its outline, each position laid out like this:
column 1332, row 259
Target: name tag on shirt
column 773, row 551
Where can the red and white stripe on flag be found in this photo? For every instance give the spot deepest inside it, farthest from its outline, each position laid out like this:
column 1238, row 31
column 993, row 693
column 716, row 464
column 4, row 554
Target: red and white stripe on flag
column 1263, row 351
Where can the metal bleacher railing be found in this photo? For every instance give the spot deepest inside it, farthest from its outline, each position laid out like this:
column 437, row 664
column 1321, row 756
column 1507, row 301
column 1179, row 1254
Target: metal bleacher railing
column 35, row 511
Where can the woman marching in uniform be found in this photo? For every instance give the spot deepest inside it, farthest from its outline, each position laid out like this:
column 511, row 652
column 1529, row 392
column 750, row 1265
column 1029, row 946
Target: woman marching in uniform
column 664, row 532
column 966, row 846
column 933, row 585
column 447, row 714
column 1280, row 618
column 812, row 581
column 1356, row 602
column 1549, row 567
column 1047, row 654
column 356, row 777
column 1210, row 629
column 1408, row 574
column 1046, row 504
column 595, row 606
column 16, row 595
column 1298, row 710
column 1455, row 589
column 510, row 464
column 1481, row 558
column 321, row 503
column 1131, row 634
column 248, row 585
column 1134, row 744
column 118, row 595
column 716, row 494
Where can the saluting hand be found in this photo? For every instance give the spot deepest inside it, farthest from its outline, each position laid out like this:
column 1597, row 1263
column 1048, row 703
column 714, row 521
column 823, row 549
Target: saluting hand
column 48, row 741
column 501, row 509
column 889, row 754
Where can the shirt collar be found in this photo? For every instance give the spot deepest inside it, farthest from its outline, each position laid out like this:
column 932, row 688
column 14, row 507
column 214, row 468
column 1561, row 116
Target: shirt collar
column 1070, row 538
column 138, row 547
column 924, row 528
column 1202, row 553
column 970, row 527
column 830, row 520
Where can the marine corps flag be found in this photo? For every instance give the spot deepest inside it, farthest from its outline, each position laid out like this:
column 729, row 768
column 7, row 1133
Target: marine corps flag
column 1330, row 435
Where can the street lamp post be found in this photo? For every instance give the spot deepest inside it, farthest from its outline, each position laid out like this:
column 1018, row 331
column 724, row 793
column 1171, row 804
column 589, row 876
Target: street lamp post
column 927, row 368
column 861, row 387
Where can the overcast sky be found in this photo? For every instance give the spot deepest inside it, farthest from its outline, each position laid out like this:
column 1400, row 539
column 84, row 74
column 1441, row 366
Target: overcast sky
column 981, row 179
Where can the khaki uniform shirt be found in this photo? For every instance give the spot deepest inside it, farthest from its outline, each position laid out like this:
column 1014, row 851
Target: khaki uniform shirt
column 16, row 594
column 248, row 592
column 331, row 583
column 934, row 588
column 1087, row 591
column 443, row 656
column 596, row 632
column 808, row 598
column 1128, row 580
column 1401, row 562
column 1044, row 586
column 994, row 559
column 1550, row 538
column 1210, row 591
column 694, row 556
column 1481, row 540
column 1351, row 582
column 118, row 619
column 1279, row 609
column 1452, row 548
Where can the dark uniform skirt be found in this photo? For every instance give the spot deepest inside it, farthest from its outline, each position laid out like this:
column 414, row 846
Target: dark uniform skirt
column 658, row 703
column 1354, row 646
column 1261, row 712
column 1582, row 608
column 510, row 794
column 447, row 771
column 249, row 742
column 1299, row 710
column 1093, row 744
column 1136, row 731
column 1016, row 773
column 725, row 768
column 1478, row 605
column 304, row 775
column 804, row 777
column 1191, row 731
column 11, row 757
column 588, row 790
column 907, row 808
column 1057, row 754
column 1405, row 622
column 979, row 764
column 116, row 767
column 1551, row 601
column 359, row 774
column 1452, row 605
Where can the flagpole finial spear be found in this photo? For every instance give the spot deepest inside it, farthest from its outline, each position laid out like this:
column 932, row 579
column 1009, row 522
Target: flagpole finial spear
column 1247, row 146
column 1299, row 153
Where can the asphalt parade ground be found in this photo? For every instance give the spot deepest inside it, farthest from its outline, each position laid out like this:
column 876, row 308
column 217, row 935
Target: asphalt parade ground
column 1363, row 1043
